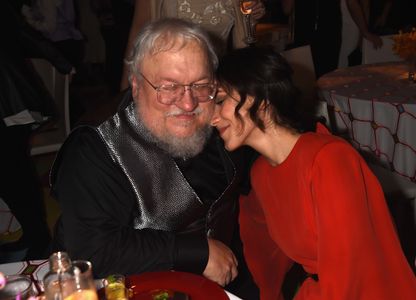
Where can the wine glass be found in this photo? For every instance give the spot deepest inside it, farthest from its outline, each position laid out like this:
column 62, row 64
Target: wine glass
column 250, row 28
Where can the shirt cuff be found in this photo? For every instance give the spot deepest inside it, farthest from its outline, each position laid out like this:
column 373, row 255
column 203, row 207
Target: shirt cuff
column 191, row 253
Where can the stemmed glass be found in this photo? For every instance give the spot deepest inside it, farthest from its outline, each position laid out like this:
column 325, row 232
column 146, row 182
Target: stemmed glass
column 250, row 30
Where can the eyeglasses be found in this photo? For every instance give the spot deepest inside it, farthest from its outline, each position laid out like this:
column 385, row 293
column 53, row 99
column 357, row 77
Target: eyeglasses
column 170, row 93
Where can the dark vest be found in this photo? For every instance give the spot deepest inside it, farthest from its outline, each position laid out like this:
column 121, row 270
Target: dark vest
column 165, row 200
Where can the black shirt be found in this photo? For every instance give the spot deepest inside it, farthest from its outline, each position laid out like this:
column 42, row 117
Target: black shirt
column 98, row 205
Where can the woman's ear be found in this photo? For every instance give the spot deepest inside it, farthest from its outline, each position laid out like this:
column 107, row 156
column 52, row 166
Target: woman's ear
column 249, row 102
column 263, row 111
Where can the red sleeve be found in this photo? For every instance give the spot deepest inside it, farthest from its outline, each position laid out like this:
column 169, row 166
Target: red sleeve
column 359, row 254
column 267, row 263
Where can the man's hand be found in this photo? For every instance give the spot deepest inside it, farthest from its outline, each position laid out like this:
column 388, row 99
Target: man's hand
column 222, row 264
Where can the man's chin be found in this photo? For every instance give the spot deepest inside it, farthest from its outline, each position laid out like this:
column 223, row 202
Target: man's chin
column 185, row 143
column 182, row 132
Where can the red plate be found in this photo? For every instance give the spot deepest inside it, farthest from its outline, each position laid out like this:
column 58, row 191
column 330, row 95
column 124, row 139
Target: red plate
column 195, row 286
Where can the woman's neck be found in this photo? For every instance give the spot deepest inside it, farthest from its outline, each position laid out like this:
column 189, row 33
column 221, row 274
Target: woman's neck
column 275, row 143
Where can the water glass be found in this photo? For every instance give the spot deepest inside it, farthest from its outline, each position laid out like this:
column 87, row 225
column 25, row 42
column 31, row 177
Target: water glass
column 17, row 287
column 84, row 287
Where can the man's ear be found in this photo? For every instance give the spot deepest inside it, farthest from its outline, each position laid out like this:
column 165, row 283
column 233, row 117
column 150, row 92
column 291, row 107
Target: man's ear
column 134, row 86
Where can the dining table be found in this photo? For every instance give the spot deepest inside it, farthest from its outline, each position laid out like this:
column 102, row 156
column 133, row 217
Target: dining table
column 374, row 107
column 198, row 287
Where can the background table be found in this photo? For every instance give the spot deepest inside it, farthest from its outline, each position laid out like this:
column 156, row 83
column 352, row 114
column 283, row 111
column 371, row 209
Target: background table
column 374, row 106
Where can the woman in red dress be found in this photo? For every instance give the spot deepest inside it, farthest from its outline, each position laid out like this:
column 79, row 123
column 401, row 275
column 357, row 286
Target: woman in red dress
column 314, row 200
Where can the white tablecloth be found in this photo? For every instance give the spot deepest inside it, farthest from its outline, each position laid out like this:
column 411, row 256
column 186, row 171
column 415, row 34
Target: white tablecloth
column 375, row 106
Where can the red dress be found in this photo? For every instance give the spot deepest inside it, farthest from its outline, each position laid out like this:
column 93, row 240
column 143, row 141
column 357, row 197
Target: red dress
column 325, row 210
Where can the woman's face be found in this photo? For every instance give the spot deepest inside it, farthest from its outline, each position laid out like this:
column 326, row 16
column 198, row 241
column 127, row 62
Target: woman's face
column 234, row 131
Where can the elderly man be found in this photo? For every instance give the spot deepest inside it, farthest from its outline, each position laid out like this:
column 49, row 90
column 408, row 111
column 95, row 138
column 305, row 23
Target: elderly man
column 152, row 188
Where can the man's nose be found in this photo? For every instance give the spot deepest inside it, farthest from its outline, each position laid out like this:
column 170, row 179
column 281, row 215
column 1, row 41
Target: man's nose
column 188, row 102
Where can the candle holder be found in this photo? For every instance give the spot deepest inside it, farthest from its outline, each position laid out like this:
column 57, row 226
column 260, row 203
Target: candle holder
column 411, row 64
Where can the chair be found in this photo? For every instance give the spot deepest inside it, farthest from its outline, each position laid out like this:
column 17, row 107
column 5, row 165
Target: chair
column 51, row 139
column 383, row 54
column 10, row 231
column 304, row 77
column 394, row 186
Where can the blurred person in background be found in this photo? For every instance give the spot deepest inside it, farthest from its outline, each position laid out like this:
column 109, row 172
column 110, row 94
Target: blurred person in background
column 25, row 104
column 57, row 20
column 221, row 18
column 391, row 16
column 316, row 23
column 354, row 28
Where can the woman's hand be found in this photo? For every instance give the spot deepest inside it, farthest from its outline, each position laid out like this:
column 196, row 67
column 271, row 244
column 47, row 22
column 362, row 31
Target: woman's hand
column 258, row 10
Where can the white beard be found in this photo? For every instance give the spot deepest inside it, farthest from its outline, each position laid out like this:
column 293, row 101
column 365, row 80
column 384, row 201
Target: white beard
column 177, row 147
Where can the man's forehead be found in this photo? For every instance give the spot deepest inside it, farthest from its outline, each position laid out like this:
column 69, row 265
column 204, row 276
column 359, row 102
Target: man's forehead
column 174, row 45
column 169, row 55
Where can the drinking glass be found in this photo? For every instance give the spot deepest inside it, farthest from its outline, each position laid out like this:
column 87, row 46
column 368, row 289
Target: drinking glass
column 84, row 287
column 17, row 287
column 250, row 27
column 115, row 287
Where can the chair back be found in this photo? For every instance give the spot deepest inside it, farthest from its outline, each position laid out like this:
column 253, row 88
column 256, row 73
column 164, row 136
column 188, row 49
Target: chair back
column 301, row 61
column 51, row 139
column 383, row 54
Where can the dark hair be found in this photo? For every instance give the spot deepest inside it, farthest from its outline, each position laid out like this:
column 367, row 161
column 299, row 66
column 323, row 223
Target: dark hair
column 265, row 75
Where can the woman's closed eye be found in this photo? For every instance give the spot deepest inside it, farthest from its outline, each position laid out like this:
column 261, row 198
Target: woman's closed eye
column 219, row 99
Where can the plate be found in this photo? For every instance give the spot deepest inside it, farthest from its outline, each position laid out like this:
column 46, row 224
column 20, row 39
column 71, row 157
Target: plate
column 194, row 286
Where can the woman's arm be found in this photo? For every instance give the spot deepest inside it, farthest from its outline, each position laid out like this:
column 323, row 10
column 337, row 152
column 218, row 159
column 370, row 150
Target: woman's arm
column 266, row 262
column 287, row 6
column 358, row 16
column 381, row 19
column 358, row 251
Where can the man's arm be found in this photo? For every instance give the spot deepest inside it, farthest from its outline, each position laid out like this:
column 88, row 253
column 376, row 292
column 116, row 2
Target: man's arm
column 97, row 214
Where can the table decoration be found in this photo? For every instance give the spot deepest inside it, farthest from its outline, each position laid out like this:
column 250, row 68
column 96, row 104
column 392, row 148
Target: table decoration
column 405, row 46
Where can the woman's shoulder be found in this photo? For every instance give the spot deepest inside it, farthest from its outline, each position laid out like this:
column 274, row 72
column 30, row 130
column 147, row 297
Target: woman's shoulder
column 315, row 141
